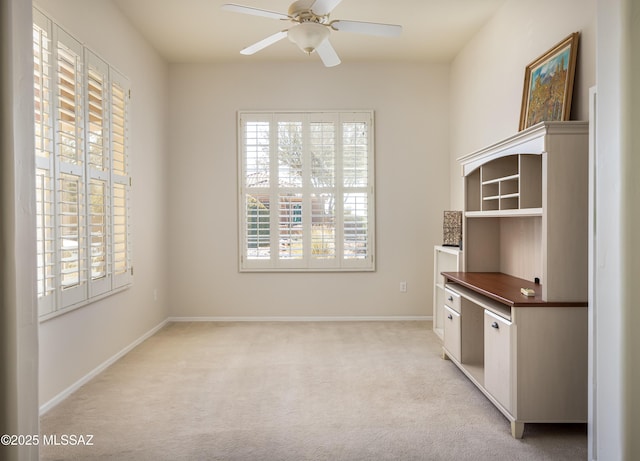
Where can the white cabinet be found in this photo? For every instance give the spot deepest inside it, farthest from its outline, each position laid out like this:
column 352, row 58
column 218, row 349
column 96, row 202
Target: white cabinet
column 445, row 259
column 525, row 226
column 529, row 357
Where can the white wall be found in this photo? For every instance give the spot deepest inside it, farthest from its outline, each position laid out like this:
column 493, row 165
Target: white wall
column 411, row 111
column 487, row 76
column 18, row 304
column 74, row 344
column 632, row 226
column 617, row 223
column 609, row 340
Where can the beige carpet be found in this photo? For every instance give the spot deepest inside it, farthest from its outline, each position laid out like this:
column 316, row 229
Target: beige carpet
column 294, row 391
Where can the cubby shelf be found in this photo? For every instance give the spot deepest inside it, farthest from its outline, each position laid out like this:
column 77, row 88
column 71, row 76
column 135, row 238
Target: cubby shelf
column 506, row 183
column 525, row 208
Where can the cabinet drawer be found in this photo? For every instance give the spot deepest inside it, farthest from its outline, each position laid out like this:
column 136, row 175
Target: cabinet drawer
column 497, row 358
column 452, row 299
column 452, row 332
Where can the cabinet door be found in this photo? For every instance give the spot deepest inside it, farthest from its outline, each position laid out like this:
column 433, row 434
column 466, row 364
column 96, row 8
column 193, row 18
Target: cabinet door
column 497, row 358
column 452, row 332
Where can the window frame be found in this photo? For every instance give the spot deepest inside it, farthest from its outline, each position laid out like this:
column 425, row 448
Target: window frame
column 304, row 194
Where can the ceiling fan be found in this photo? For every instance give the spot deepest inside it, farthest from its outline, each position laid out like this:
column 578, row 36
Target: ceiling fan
column 312, row 27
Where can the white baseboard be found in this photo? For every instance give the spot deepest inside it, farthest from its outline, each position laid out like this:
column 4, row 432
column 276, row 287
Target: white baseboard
column 99, row 369
column 388, row 318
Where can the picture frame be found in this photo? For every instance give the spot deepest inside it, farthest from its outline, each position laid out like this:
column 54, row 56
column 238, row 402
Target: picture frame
column 452, row 229
column 548, row 84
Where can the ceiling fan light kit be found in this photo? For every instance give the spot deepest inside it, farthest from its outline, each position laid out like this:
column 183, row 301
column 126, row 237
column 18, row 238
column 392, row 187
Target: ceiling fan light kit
column 312, row 28
column 308, row 35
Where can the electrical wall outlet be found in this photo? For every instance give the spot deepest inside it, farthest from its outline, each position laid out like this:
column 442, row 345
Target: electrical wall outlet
column 403, row 287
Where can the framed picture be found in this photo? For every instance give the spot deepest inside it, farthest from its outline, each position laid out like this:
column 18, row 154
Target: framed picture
column 452, row 229
column 548, row 84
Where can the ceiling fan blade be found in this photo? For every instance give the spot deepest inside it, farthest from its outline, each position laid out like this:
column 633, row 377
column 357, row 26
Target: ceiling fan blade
column 328, row 54
column 254, row 11
column 368, row 28
column 322, row 7
column 265, row 42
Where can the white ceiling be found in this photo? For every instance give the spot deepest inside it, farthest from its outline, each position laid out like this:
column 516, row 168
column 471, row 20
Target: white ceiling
column 200, row 31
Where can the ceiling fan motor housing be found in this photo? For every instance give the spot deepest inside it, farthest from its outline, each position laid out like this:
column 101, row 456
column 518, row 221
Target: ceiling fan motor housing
column 301, row 12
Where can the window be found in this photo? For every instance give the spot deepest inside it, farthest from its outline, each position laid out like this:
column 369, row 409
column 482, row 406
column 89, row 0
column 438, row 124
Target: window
column 82, row 179
column 306, row 191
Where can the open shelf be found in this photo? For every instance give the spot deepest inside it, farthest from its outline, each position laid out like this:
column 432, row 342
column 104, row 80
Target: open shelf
column 506, row 183
column 522, row 212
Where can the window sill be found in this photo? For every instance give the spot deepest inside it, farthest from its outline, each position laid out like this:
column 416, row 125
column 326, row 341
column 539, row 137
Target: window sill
column 66, row 310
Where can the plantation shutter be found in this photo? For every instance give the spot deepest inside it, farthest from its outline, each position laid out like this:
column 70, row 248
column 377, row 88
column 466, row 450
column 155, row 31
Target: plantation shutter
column 70, row 177
column 256, row 197
column 83, row 182
column 322, row 189
column 45, row 219
column 306, row 191
column 121, row 183
column 357, row 207
column 292, row 209
column 98, row 170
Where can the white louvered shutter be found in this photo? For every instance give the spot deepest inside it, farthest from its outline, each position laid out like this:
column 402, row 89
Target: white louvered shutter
column 306, row 190
column 45, row 218
column 120, row 177
column 322, row 189
column 98, row 172
column 83, row 182
column 256, row 199
column 356, row 173
column 70, row 166
column 290, row 198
